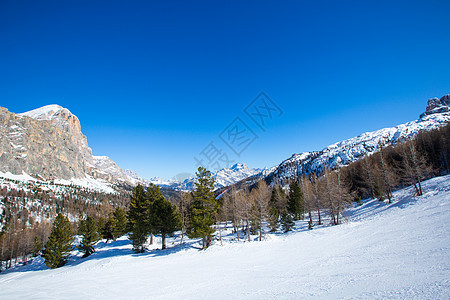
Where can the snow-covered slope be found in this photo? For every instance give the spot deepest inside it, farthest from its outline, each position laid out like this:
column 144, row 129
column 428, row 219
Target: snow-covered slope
column 27, row 183
column 348, row 151
column 384, row 251
column 234, row 174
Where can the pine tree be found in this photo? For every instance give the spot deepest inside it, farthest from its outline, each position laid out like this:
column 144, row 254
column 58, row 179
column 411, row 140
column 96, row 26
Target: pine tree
column 274, row 213
column 203, row 208
column 37, row 246
column 59, row 243
column 164, row 216
column 105, row 227
column 119, row 223
column 138, row 224
column 287, row 224
column 87, row 228
column 295, row 205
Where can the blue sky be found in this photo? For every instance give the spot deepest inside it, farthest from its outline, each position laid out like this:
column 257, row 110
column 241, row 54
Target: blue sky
column 154, row 82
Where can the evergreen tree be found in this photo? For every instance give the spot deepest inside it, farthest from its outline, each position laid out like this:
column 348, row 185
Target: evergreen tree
column 286, row 222
column 59, row 243
column 164, row 216
column 105, row 227
column 203, row 208
column 295, row 205
column 138, row 224
column 274, row 212
column 37, row 246
column 87, row 228
column 119, row 223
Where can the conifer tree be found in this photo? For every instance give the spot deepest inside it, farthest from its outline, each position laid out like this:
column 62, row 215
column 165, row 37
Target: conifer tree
column 274, row 213
column 59, row 243
column 37, row 246
column 105, row 227
column 164, row 216
column 203, row 208
column 286, row 222
column 295, row 205
column 138, row 219
column 119, row 223
column 87, row 228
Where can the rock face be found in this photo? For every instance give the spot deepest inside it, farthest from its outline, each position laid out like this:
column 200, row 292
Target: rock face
column 50, row 145
column 107, row 169
column 48, row 142
column 435, row 106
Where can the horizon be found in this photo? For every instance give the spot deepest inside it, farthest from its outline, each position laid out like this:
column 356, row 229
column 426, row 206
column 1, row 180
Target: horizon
column 154, row 84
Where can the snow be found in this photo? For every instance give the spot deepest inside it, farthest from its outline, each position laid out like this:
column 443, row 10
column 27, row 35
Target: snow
column 95, row 184
column 396, row 251
column 43, row 113
column 22, row 177
column 237, row 172
column 345, row 152
column 25, row 181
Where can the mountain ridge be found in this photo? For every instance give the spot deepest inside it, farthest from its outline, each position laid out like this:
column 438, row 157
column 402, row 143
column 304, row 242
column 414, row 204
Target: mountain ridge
column 344, row 152
column 47, row 142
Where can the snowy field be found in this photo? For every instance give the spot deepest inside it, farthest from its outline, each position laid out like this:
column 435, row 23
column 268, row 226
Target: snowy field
column 396, row 251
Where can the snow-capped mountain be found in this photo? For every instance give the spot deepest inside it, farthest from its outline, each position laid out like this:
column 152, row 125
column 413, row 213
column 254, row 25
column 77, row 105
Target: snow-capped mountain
column 47, row 143
column 342, row 153
column 237, row 172
column 223, row 177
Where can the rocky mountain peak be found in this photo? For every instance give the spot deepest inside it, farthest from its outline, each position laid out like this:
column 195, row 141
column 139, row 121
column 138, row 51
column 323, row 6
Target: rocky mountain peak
column 436, row 105
column 239, row 167
column 61, row 118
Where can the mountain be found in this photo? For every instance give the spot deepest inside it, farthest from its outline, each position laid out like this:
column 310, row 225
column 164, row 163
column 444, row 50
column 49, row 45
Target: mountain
column 237, row 172
column 47, row 144
column 343, row 153
column 222, row 178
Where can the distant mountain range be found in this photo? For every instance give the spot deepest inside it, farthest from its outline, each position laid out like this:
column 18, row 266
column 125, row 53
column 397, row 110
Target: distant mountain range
column 47, row 144
column 343, row 153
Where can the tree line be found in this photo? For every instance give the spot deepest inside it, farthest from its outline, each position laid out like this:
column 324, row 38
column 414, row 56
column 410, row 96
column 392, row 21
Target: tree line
column 251, row 210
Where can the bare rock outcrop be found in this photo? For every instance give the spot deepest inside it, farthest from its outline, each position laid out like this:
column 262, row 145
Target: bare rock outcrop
column 436, row 106
column 38, row 147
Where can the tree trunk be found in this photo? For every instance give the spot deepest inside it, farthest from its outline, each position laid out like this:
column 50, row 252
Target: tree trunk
column 444, row 158
column 420, row 189
column 163, row 241
column 310, row 217
column 248, row 230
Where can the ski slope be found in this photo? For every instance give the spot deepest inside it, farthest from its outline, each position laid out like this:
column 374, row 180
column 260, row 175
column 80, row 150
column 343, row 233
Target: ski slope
column 396, row 251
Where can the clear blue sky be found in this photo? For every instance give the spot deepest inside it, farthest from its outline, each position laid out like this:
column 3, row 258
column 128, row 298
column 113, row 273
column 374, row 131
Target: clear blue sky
column 154, row 82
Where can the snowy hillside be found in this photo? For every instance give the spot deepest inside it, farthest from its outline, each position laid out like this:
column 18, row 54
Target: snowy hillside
column 396, row 251
column 57, row 186
column 234, row 174
column 348, row 151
